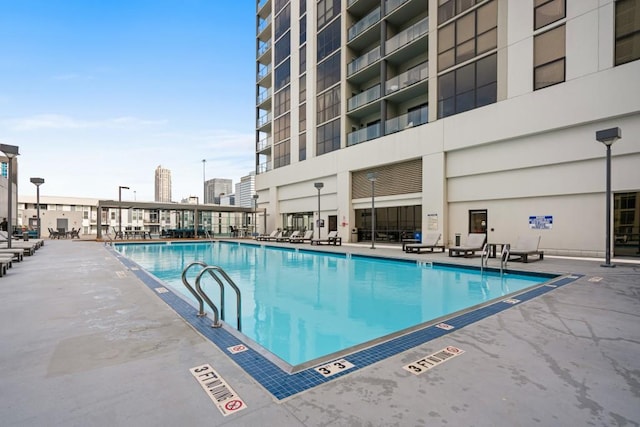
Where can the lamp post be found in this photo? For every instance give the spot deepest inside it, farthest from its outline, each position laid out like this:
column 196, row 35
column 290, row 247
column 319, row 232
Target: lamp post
column 10, row 151
column 38, row 182
column 373, row 176
column 255, row 208
column 120, row 188
column 608, row 137
column 204, row 182
column 319, row 186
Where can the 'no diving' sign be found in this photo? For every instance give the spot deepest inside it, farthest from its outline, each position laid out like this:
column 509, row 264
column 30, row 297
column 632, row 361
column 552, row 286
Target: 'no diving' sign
column 227, row 400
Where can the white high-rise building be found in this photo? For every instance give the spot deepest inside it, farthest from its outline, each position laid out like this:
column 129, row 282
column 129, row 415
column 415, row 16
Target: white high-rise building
column 473, row 116
column 163, row 185
column 245, row 190
column 216, row 187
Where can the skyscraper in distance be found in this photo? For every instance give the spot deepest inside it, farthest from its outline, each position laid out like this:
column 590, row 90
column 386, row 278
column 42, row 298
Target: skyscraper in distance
column 163, row 185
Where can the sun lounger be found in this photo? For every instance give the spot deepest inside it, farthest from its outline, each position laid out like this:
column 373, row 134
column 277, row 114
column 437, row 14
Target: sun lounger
column 284, row 238
column 5, row 262
column 275, row 238
column 524, row 247
column 430, row 243
column 267, row 236
column 308, row 235
column 475, row 242
column 332, row 239
column 18, row 253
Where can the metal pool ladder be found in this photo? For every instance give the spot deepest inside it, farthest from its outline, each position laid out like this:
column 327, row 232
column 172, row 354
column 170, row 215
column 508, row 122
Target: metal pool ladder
column 222, row 278
column 504, row 257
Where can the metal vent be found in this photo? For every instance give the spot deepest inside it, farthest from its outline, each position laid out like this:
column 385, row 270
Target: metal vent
column 399, row 178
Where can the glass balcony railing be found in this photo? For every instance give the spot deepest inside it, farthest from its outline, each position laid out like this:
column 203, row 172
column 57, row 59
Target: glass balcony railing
column 391, row 5
column 263, row 167
column 261, row 3
column 264, row 119
column 363, row 98
column 409, row 77
column 362, row 135
column 263, row 47
column 263, row 71
column 350, row 2
column 358, row 28
column 405, row 121
column 405, row 37
column 362, row 62
column 263, row 143
column 264, row 23
column 263, row 96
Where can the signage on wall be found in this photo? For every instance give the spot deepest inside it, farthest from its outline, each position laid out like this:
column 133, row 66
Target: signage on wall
column 541, row 222
column 432, row 222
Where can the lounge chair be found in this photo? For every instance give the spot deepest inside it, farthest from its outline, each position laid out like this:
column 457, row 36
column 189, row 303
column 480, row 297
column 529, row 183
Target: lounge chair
column 286, row 238
column 525, row 246
column 332, row 239
column 17, row 253
column 475, row 242
column 267, row 236
column 430, row 243
column 273, row 238
column 308, row 235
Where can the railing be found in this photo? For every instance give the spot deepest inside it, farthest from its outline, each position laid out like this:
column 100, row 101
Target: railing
column 391, row 5
column 263, row 47
column 263, row 167
column 407, row 36
column 263, row 71
column 409, row 77
column 410, row 119
column 264, row 23
column 264, row 119
column 264, row 95
column 217, row 274
column 359, row 27
column 363, row 98
column 362, row 135
column 263, row 143
column 261, row 4
column 350, row 3
column 365, row 60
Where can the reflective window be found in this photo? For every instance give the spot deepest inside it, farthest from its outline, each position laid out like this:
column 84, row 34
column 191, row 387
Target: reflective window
column 303, row 59
column 328, row 105
column 283, row 48
column 549, row 58
column 302, row 88
column 327, row 10
column 302, row 117
column 283, row 22
column 328, row 40
column 282, row 75
column 281, row 128
column 302, row 147
column 627, row 31
column 282, row 101
column 328, row 72
column 447, row 9
column 281, row 154
column 328, row 137
column 303, row 29
column 547, row 11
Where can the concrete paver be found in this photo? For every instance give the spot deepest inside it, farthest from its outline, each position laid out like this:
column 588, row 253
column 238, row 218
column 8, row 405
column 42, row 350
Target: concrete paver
column 84, row 342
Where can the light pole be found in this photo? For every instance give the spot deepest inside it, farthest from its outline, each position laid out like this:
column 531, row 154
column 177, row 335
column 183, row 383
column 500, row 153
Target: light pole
column 10, row 151
column 255, row 208
column 319, row 186
column 204, row 182
column 38, row 182
column 608, row 137
column 373, row 176
column 120, row 188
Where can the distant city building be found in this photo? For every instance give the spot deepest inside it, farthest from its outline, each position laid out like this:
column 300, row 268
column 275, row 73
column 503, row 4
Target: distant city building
column 192, row 200
column 216, row 187
column 227, row 200
column 163, row 185
column 245, row 190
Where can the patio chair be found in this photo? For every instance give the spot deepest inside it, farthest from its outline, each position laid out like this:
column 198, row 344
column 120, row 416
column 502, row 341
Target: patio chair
column 475, row 242
column 332, row 239
column 272, row 237
column 525, row 246
column 308, row 235
column 288, row 238
column 430, row 243
column 267, row 236
column 74, row 233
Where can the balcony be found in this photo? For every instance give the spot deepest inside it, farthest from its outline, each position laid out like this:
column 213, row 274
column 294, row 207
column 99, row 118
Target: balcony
column 263, row 72
column 405, row 121
column 362, row 135
column 263, row 96
column 364, row 98
column 263, row 47
column 263, row 144
column 363, row 24
column 261, row 5
column 263, row 120
column 406, row 79
column 405, row 37
column 263, row 24
column 363, row 61
column 263, row 168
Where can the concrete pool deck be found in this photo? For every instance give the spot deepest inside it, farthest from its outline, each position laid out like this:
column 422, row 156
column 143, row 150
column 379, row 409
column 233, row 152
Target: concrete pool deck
column 84, row 342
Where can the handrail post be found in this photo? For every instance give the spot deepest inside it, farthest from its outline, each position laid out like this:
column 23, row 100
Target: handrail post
column 193, row 292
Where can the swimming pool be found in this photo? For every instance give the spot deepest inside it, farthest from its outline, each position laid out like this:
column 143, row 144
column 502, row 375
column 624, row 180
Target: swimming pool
column 303, row 305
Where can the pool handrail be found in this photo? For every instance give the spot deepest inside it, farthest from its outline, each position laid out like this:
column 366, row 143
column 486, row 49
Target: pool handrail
column 216, row 317
column 213, row 271
column 193, row 292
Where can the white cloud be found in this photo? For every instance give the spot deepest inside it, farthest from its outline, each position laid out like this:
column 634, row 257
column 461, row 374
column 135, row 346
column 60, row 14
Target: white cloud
column 62, row 122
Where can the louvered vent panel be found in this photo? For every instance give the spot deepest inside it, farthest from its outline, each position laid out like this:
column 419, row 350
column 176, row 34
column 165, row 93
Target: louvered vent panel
column 399, row 178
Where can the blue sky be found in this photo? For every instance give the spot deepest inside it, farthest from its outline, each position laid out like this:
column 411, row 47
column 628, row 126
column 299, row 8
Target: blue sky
column 98, row 93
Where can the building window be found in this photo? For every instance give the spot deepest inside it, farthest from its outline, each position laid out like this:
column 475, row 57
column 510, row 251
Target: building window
column 328, row 40
column 469, row 36
column 327, row 9
column 302, row 117
column 282, row 22
column 282, row 101
column 627, row 31
column 302, row 147
column 279, row 4
column 549, row 58
column 328, row 105
column 303, row 59
column 282, row 75
column 447, row 9
column 471, row 86
column 303, row 29
column 283, row 48
column 328, row 137
column 303, row 7
column 282, row 154
column 303, row 88
column 546, row 12
column 328, row 72
column 282, row 128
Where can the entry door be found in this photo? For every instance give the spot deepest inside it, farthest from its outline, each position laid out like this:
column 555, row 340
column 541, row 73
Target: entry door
column 478, row 221
column 333, row 222
column 62, row 224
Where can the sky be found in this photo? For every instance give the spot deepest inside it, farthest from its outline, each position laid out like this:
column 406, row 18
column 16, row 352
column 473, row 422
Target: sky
column 97, row 94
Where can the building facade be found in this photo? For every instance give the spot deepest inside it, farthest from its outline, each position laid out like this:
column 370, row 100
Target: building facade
column 216, row 187
column 245, row 189
column 162, row 185
column 453, row 116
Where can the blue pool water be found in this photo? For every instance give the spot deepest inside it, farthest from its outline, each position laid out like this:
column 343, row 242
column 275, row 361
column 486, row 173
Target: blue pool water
column 302, row 305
